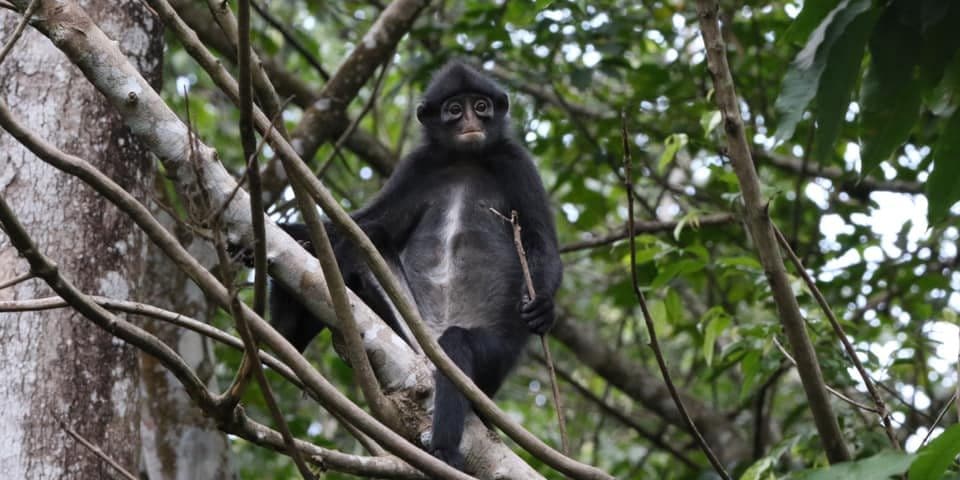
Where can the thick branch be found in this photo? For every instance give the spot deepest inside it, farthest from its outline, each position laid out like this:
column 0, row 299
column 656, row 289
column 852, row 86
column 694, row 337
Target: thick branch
column 761, row 230
column 288, row 84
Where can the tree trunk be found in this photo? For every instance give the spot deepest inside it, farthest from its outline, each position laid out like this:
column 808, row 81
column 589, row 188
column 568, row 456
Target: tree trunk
column 56, row 365
column 179, row 442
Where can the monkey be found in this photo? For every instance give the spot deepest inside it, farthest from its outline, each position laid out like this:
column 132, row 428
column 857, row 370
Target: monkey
column 434, row 222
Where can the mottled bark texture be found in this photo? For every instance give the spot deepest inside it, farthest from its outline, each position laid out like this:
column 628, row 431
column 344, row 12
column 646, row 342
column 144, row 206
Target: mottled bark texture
column 55, row 364
column 179, row 442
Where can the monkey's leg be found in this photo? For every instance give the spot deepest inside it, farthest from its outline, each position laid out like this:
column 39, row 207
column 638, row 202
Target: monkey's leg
column 484, row 357
column 289, row 317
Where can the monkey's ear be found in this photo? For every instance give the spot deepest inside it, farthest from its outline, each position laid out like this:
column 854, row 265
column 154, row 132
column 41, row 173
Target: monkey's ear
column 501, row 104
column 421, row 112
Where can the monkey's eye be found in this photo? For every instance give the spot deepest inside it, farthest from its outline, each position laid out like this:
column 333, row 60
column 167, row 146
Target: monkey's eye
column 455, row 109
column 481, row 106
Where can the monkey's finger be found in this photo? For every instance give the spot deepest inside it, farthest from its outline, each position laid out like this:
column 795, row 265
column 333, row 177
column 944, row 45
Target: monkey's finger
column 541, row 324
column 536, row 307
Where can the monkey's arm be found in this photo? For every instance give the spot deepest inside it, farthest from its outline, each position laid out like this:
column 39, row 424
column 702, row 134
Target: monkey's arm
column 539, row 237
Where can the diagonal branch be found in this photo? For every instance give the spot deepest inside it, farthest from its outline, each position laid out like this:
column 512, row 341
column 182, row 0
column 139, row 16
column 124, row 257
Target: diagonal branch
column 761, row 231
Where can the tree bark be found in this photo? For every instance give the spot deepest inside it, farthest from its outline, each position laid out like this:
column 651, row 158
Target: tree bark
column 58, row 366
column 178, row 440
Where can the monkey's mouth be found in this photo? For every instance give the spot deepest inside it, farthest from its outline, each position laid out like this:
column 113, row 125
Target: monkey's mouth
column 472, row 136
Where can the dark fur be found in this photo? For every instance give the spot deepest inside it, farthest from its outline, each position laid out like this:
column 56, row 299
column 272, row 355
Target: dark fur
column 484, row 330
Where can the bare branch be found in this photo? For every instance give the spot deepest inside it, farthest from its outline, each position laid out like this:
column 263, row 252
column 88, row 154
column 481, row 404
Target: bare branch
column 97, row 450
column 648, row 318
column 532, row 293
column 16, row 280
column 847, row 346
column 834, row 391
column 291, row 38
column 761, row 231
column 648, row 227
column 31, row 9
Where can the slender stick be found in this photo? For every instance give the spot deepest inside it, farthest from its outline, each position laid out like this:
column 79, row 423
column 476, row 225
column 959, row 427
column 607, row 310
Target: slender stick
column 881, row 409
column 518, row 243
column 16, row 280
column 19, row 30
column 648, row 318
column 943, row 411
column 97, row 451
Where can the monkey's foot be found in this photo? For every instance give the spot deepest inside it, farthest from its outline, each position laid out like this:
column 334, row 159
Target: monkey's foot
column 450, row 456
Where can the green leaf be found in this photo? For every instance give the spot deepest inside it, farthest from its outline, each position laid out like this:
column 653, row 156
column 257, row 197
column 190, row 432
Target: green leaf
column 802, row 81
column 750, row 366
column 892, row 93
column 674, row 304
column 943, row 189
column 758, row 469
column 938, row 21
column 750, row 263
column 671, row 146
column 680, row 267
column 716, row 326
column 709, row 121
column 839, row 77
column 811, row 16
column 932, row 460
column 879, row 466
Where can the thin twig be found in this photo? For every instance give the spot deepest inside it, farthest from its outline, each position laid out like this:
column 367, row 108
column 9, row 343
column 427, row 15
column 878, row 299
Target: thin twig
column 97, row 451
column 648, row 227
column 647, row 317
column 943, row 411
column 19, row 30
column 248, row 141
column 618, row 413
column 246, row 171
column 757, row 219
column 16, row 280
column 291, row 38
column 518, row 243
column 834, row 391
column 355, row 123
column 250, row 151
column 838, row 330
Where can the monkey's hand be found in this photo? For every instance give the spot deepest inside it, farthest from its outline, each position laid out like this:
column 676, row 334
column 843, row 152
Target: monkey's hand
column 538, row 313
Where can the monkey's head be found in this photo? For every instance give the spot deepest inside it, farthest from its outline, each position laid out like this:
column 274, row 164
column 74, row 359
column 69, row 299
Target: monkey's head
column 462, row 110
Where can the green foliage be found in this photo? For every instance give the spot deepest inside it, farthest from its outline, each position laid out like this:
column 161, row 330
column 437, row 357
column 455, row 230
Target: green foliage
column 824, row 70
column 881, row 465
column 943, row 189
column 910, row 49
column 934, row 459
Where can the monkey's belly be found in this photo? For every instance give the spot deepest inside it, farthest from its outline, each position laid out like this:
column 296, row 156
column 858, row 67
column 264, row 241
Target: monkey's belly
column 467, row 276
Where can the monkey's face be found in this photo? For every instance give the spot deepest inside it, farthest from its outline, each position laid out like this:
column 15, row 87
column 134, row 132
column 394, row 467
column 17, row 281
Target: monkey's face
column 466, row 118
